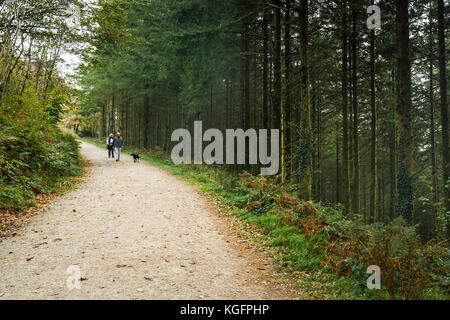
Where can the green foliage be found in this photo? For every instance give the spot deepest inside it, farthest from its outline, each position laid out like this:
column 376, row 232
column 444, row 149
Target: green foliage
column 34, row 156
column 55, row 106
column 407, row 265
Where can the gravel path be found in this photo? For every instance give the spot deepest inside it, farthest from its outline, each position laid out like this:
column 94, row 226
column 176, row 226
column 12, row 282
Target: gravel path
column 132, row 231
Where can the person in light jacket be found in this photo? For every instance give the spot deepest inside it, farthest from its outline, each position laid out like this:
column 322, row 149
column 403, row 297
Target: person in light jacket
column 110, row 145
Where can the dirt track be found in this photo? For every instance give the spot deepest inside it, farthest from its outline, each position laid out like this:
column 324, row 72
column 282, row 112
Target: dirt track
column 134, row 232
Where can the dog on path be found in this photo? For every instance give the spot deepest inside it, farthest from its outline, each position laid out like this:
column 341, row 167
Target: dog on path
column 136, row 157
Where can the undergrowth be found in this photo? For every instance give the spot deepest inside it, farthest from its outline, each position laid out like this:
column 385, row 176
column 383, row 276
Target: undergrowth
column 35, row 156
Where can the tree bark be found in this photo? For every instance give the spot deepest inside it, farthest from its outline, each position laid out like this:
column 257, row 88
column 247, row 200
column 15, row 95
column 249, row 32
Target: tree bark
column 287, row 73
column 246, row 75
column 277, row 66
column 404, row 201
column 345, row 148
column 373, row 146
column 265, row 72
column 147, row 120
column 277, row 100
column 432, row 120
column 305, row 148
column 356, row 186
column 444, row 104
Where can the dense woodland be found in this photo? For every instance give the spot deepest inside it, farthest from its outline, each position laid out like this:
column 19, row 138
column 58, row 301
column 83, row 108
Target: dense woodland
column 363, row 117
column 363, row 113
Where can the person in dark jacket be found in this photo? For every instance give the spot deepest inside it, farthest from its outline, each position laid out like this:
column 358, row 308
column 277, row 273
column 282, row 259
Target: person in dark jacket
column 110, row 145
column 118, row 145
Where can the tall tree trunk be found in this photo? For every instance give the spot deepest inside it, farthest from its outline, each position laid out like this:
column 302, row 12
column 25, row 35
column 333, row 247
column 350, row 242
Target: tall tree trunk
column 256, row 115
column 103, row 124
column 432, row 120
column 373, row 146
column 265, row 72
column 246, row 79
column 444, row 104
column 345, row 144
column 113, row 114
column 277, row 66
column 393, row 151
column 277, row 107
column 356, row 186
column 28, row 67
column 287, row 68
column 350, row 119
column 404, row 201
column 147, row 120
column 314, row 153
column 319, row 152
column 305, row 149
column 393, row 163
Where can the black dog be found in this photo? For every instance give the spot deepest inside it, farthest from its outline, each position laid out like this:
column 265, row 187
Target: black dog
column 136, row 157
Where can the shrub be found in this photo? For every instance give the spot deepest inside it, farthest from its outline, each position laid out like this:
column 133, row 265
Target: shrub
column 407, row 265
column 34, row 156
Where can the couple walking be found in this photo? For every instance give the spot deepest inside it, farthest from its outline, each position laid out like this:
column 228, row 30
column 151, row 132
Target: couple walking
column 114, row 144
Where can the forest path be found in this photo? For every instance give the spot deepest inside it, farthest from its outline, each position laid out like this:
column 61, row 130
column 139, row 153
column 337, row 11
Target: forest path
column 134, row 232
